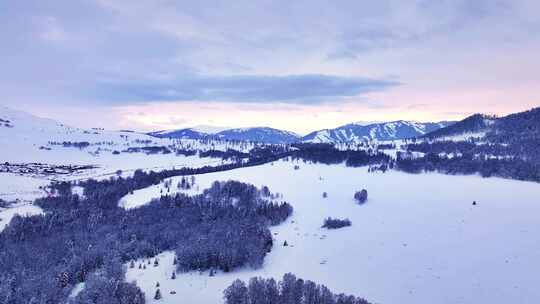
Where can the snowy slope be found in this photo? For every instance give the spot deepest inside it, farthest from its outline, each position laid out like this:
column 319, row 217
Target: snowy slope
column 418, row 239
column 28, row 133
column 356, row 133
column 32, row 139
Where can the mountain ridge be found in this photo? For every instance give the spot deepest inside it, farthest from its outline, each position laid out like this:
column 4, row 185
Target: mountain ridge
column 393, row 130
column 348, row 133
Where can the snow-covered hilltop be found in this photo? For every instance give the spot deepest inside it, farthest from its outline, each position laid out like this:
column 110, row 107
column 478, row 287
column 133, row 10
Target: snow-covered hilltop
column 28, row 138
column 355, row 133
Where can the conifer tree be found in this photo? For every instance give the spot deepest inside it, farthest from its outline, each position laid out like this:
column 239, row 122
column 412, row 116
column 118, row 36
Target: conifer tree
column 158, row 295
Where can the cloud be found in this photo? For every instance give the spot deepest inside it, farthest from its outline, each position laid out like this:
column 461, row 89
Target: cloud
column 98, row 54
column 411, row 25
column 50, row 29
column 293, row 89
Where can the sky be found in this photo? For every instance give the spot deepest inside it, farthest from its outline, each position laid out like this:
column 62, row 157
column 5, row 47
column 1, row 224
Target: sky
column 295, row 65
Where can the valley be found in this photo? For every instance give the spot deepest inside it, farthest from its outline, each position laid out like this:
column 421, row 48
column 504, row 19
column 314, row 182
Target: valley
column 421, row 236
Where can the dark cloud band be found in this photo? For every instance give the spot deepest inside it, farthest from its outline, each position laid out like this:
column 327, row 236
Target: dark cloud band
column 299, row 89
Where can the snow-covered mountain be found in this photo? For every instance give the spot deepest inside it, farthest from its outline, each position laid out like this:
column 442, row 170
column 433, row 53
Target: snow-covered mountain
column 259, row 134
column 256, row 134
column 188, row 133
column 350, row 133
column 354, row 133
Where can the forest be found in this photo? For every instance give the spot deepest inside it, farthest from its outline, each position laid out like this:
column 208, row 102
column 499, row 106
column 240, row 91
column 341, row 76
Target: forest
column 88, row 239
column 511, row 168
column 328, row 154
column 509, row 149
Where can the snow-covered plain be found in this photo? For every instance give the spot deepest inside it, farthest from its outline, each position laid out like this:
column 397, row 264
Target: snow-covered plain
column 23, row 188
column 418, row 239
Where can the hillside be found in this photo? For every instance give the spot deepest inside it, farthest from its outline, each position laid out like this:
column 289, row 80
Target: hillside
column 37, row 146
column 511, row 128
column 507, row 147
column 475, row 125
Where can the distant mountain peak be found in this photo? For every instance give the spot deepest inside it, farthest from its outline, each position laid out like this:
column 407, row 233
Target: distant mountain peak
column 259, row 134
column 355, row 133
column 349, row 133
column 254, row 134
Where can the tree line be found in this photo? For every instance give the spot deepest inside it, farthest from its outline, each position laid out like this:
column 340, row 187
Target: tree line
column 290, row 290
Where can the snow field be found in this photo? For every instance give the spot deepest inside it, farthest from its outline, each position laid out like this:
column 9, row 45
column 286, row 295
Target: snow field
column 418, row 239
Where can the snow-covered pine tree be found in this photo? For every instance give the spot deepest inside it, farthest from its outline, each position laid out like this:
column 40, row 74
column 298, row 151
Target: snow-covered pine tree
column 237, row 293
column 157, row 296
column 361, row 196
